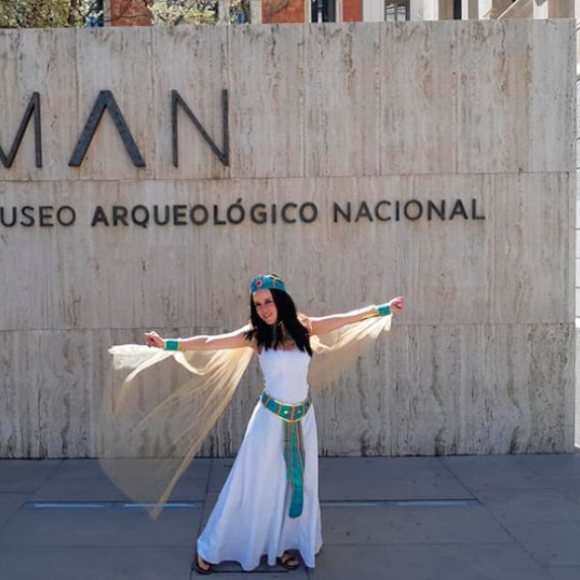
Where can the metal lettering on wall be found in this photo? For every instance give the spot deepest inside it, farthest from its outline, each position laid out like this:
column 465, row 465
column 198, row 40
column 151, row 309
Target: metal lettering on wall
column 33, row 108
column 201, row 214
column 106, row 101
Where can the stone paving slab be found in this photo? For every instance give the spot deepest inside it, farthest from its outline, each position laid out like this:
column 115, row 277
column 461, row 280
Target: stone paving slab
column 374, row 478
column 210, row 501
column 557, row 471
column 436, row 562
column 379, row 478
column 529, row 505
column 494, row 471
column 98, row 489
column 549, row 543
column 10, row 503
column 96, row 563
column 564, row 573
column 84, row 480
column 100, row 527
column 219, row 473
column 20, row 476
column 90, row 469
column 570, row 489
column 78, row 469
column 190, row 489
column 553, row 466
column 469, row 524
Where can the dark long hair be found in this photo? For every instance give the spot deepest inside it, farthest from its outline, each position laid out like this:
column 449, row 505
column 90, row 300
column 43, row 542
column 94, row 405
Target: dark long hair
column 270, row 336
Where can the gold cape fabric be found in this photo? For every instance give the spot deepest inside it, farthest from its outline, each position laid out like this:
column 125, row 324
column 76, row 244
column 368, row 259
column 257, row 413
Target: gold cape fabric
column 170, row 401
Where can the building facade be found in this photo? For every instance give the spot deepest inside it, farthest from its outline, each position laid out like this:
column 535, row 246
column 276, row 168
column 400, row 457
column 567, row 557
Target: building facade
column 136, row 12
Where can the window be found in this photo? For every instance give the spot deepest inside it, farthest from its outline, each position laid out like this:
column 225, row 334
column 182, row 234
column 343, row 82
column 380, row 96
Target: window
column 325, row 8
column 397, row 10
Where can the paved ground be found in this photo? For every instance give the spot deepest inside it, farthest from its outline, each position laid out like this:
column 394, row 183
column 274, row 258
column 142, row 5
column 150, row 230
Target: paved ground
column 455, row 518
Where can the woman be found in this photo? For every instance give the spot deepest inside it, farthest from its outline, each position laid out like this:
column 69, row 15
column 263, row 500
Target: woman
column 269, row 503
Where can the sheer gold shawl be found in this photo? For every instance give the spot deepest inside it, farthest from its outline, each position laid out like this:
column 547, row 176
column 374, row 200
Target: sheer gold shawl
column 156, row 421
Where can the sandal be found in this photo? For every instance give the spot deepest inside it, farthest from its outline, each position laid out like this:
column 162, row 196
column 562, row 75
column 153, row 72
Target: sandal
column 198, row 567
column 288, row 561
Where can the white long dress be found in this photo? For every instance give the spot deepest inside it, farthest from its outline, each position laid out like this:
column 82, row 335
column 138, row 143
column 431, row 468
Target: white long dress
column 250, row 518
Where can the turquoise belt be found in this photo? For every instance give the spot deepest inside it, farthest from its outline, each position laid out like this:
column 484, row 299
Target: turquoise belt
column 291, row 414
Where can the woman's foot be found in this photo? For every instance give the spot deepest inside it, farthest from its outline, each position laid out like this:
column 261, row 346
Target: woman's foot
column 202, row 566
column 288, row 561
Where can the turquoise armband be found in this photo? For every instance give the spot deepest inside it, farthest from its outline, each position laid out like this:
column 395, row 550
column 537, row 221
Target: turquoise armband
column 172, row 345
column 384, row 310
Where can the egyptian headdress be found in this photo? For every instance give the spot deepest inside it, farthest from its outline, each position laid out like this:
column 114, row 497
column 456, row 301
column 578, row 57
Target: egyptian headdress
column 170, row 401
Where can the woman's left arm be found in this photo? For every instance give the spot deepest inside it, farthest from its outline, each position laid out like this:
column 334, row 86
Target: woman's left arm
column 325, row 324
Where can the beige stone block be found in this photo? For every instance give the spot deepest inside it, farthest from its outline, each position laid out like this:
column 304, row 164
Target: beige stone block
column 442, row 266
column 519, row 384
column 454, row 389
column 194, row 62
column 342, row 101
column 552, row 388
column 552, row 119
column 350, row 411
column 42, row 61
column 494, row 94
column 573, row 226
column 480, row 389
column 47, row 394
column 18, row 426
column 508, row 267
column 266, row 81
column 118, row 60
column 422, row 384
column 420, row 390
column 532, row 222
column 53, row 273
column 418, row 100
column 495, row 410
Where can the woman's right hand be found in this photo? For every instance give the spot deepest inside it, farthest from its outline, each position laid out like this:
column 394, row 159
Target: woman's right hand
column 153, row 339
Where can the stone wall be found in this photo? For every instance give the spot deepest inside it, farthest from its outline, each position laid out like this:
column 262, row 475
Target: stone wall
column 473, row 119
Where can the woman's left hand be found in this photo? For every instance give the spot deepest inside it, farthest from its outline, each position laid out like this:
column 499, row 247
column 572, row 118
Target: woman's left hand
column 397, row 304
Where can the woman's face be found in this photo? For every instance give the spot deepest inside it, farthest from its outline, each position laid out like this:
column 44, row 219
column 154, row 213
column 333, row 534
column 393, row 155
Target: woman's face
column 265, row 307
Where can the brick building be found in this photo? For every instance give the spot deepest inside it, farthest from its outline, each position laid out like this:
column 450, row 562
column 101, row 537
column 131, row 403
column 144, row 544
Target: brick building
column 127, row 12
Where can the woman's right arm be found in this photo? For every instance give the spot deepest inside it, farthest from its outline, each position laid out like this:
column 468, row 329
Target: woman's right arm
column 235, row 339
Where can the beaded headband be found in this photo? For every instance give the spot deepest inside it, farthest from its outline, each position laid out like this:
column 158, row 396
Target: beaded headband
column 266, row 282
